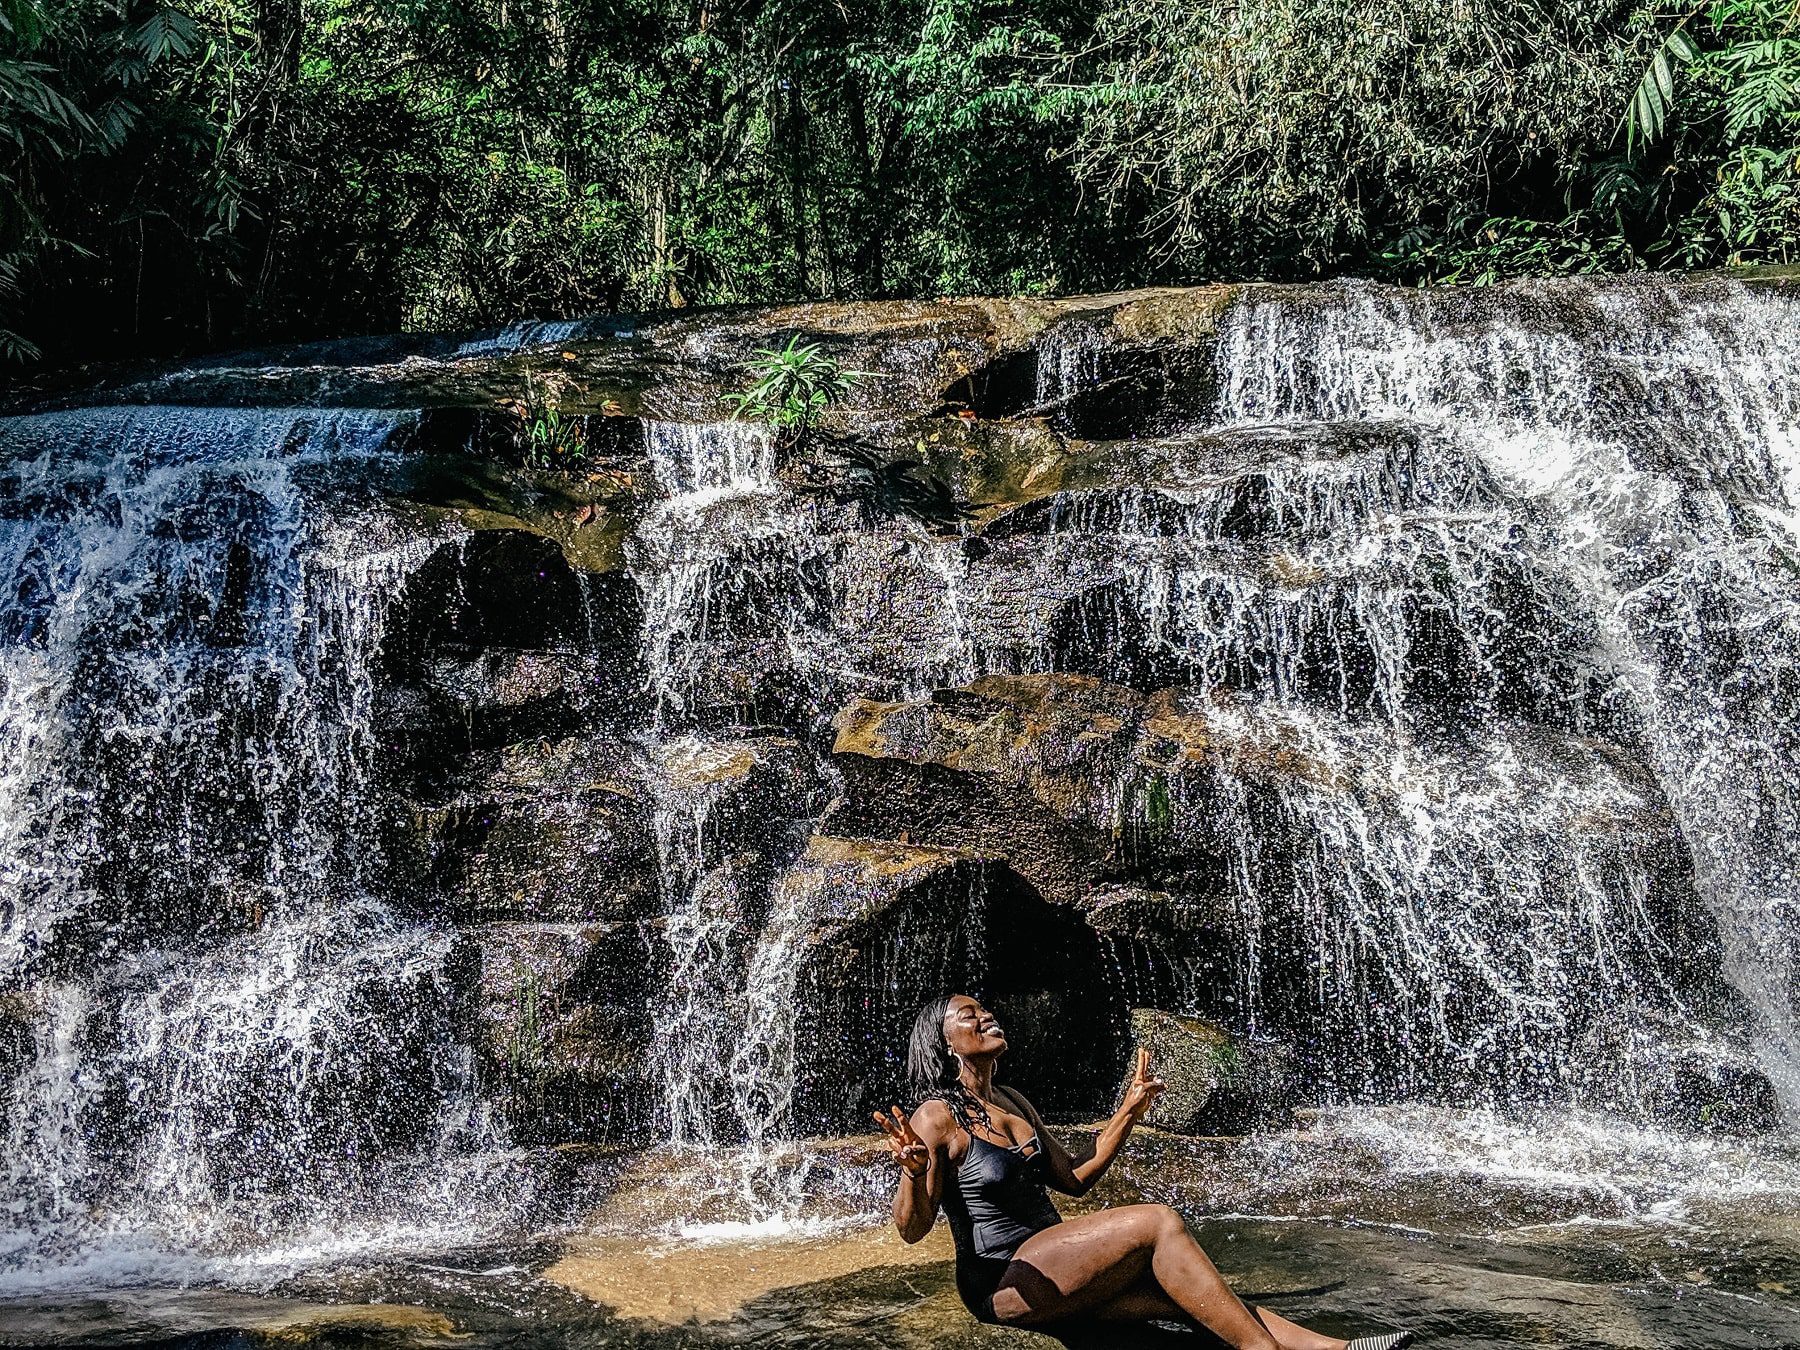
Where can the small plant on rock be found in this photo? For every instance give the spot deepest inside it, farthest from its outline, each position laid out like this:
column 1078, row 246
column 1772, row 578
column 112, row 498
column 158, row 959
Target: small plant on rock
column 789, row 387
column 553, row 439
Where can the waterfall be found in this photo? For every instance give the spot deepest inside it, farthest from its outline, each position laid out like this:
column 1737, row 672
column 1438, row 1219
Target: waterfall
column 1068, row 360
column 1465, row 891
column 1659, row 453
column 719, row 564
column 1415, row 687
column 710, row 458
column 695, row 1026
column 516, row 337
column 231, row 1034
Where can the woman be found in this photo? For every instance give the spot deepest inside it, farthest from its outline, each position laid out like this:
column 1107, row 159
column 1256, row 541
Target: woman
column 981, row 1153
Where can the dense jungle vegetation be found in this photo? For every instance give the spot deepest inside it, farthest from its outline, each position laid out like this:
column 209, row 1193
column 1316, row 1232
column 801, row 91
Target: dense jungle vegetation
column 182, row 174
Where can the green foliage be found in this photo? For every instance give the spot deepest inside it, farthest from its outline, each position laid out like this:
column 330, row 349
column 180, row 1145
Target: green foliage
column 790, row 386
column 1156, row 809
column 1729, row 135
column 554, row 440
column 1649, row 106
column 178, row 173
column 1292, row 137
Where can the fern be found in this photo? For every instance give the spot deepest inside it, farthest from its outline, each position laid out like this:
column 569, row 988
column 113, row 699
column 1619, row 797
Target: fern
column 166, row 33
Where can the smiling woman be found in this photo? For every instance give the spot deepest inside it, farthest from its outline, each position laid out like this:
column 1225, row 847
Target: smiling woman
column 981, row 1154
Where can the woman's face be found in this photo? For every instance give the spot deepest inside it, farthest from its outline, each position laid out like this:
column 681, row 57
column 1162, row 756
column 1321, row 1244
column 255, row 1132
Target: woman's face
column 970, row 1029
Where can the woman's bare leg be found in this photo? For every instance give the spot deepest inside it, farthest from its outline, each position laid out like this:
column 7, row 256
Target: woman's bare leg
column 1293, row 1336
column 1145, row 1300
column 1086, row 1263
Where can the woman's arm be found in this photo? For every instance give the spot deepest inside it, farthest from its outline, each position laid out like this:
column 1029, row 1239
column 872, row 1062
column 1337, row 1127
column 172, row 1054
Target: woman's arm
column 920, row 1148
column 1078, row 1178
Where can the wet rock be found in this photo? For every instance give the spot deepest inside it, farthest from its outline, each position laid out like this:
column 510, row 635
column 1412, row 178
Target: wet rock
column 873, row 906
column 730, row 813
column 586, row 516
column 992, row 464
column 560, row 1021
column 750, row 778
column 1067, row 605
column 497, row 696
column 1677, row 1074
column 1185, row 911
column 1071, row 779
column 395, row 1325
column 1007, row 766
column 890, row 925
column 513, row 589
column 555, row 829
column 857, row 880
column 497, row 638
column 498, row 588
column 1080, row 783
column 20, row 1015
column 1218, row 1083
column 1719, row 1093
column 678, row 362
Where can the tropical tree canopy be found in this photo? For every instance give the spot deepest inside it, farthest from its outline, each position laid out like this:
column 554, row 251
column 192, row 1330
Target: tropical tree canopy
column 181, row 174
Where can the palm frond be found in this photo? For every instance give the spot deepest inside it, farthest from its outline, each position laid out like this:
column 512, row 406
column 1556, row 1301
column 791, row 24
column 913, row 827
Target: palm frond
column 168, row 32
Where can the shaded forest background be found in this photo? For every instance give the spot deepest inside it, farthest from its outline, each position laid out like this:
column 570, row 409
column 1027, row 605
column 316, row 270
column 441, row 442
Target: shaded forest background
column 188, row 174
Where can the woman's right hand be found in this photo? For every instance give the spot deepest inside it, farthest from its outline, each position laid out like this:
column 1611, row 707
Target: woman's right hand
column 908, row 1149
column 1143, row 1089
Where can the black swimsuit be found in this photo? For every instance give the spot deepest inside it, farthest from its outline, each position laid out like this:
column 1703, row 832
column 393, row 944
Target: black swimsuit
column 994, row 1201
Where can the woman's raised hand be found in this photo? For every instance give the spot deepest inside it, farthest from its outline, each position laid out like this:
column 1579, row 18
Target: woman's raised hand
column 908, row 1149
column 1143, row 1089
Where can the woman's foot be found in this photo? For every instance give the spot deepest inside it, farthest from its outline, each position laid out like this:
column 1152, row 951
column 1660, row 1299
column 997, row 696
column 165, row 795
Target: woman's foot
column 1392, row 1341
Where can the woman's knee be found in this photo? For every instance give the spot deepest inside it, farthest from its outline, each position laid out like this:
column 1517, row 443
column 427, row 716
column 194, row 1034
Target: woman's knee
column 1161, row 1221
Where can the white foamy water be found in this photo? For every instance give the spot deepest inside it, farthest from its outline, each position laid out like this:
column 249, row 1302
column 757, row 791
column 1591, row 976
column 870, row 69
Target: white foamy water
column 516, row 337
column 1439, row 579
column 711, row 458
column 1451, row 1170
column 1659, row 449
column 233, row 1043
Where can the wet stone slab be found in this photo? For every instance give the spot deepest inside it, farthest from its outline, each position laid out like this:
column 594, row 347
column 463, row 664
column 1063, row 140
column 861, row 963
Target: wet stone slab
column 862, row 1289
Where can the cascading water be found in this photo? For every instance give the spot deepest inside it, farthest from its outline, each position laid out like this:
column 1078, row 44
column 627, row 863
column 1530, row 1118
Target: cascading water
column 731, row 942
column 1068, row 360
column 707, row 459
column 1662, row 456
column 1354, row 543
column 516, row 337
column 233, row 1036
column 1412, row 688
column 695, row 1025
column 1459, row 911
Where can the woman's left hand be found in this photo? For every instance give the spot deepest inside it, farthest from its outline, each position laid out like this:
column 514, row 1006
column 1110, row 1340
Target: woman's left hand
column 1143, row 1089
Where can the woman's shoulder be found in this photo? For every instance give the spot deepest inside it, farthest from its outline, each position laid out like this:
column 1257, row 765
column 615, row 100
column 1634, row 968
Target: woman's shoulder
column 933, row 1122
column 1020, row 1102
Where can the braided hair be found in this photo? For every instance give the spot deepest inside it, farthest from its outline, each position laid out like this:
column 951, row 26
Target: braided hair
column 933, row 1071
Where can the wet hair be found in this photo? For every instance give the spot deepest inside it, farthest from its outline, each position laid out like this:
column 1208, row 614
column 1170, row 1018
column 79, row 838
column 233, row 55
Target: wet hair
column 933, row 1071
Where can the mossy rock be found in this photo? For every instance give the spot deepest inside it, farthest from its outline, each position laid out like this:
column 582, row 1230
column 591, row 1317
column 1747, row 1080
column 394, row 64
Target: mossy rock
column 1217, row 1082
